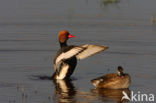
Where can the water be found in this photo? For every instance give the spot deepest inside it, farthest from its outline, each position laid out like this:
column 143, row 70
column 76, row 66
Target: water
column 28, row 44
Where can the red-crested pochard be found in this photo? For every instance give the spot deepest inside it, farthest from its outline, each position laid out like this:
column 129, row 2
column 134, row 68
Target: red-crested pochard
column 117, row 80
column 66, row 58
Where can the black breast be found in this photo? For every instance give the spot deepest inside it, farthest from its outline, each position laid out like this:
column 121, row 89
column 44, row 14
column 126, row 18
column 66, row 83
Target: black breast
column 72, row 64
column 70, row 61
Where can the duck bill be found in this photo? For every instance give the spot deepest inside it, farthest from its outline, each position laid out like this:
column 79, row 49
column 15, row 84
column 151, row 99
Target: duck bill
column 71, row 36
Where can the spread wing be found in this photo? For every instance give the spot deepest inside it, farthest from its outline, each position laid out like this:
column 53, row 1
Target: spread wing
column 81, row 52
column 70, row 53
column 90, row 50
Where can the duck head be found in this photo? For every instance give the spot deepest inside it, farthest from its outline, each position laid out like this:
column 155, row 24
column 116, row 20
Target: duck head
column 120, row 71
column 63, row 36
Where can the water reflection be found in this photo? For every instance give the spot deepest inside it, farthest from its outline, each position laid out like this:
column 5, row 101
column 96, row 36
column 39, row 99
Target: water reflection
column 107, row 95
column 64, row 91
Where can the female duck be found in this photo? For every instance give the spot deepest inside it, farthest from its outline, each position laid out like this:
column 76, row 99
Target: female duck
column 66, row 58
column 113, row 81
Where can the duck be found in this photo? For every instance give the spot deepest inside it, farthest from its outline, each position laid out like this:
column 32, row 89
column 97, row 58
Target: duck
column 67, row 56
column 117, row 80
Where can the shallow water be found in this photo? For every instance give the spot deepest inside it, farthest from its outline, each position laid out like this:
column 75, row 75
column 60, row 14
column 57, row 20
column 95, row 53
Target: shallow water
column 28, row 43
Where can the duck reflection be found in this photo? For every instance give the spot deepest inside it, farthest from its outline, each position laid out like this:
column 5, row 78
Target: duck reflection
column 107, row 95
column 64, row 91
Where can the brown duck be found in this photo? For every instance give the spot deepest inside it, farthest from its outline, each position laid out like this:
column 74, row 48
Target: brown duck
column 117, row 80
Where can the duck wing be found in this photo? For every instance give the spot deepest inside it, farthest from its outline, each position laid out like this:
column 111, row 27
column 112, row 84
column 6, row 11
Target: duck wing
column 81, row 52
column 90, row 50
column 68, row 52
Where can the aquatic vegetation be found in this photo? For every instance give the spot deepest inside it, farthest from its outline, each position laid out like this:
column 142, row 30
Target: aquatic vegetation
column 106, row 2
column 153, row 19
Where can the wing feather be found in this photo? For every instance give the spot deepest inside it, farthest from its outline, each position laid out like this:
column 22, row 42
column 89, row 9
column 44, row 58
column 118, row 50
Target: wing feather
column 90, row 50
column 68, row 54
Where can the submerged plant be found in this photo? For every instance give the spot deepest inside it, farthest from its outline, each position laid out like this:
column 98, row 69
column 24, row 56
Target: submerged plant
column 106, row 2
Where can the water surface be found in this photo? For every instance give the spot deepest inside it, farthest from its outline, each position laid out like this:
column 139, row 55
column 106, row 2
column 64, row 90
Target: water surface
column 28, row 44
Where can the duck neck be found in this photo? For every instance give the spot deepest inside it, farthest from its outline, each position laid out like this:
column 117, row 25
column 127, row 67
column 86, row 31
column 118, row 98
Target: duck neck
column 121, row 74
column 63, row 44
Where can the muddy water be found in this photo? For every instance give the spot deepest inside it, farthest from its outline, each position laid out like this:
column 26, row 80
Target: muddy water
column 28, row 43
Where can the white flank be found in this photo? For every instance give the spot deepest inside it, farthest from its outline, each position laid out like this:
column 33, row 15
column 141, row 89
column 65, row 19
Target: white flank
column 72, row 52
column 63, row 72
column 90, row 50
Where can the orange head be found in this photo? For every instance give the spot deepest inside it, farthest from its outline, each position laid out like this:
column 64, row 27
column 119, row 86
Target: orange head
column 64, row 35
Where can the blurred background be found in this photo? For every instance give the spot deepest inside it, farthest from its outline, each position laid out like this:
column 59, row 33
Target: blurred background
column 28, row 44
